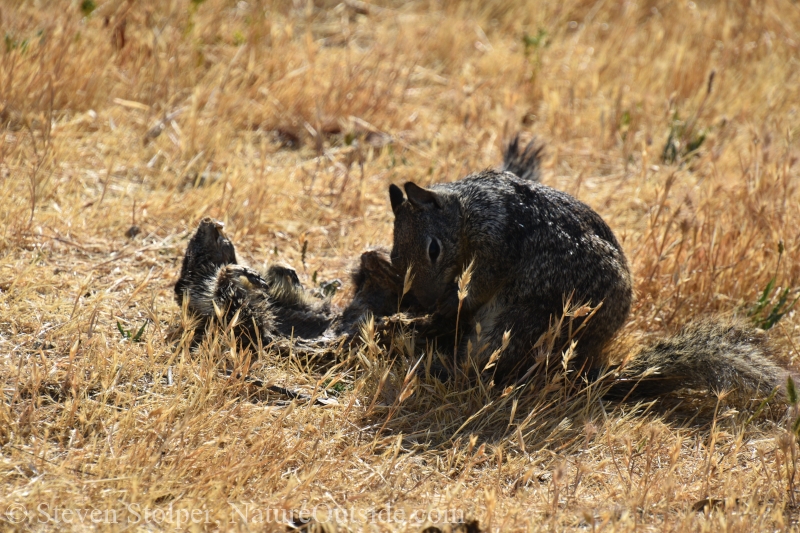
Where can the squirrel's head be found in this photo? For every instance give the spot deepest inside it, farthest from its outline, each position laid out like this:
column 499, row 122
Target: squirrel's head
column 427, row 223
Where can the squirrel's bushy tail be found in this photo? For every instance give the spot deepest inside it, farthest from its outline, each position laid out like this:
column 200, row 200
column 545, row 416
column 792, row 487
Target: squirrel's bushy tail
column 523, row 162
column 713, row 355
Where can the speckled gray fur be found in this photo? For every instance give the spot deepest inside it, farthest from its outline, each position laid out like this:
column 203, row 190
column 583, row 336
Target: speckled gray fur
column 532, row 247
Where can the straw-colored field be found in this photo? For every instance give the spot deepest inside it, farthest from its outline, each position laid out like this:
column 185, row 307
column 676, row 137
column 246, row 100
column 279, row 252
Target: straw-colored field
column 677, row 121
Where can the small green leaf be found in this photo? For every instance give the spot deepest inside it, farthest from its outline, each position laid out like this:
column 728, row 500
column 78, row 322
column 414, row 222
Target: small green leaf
column 535, row 42
column 626, row 118
column 693, row 145
column 791, row 390
column 337, row 388
column 138, row 336
column 796, row 427
column 762, row 301
column 329, row 288
column 774, row 310
column 125, row 334
column 87, row 6
column 761, row 406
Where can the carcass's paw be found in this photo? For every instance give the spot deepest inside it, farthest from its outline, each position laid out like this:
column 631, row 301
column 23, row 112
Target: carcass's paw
column 283, row 275
column 246, row 278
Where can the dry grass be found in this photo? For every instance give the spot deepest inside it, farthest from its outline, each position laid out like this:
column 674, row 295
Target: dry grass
column 288, row 120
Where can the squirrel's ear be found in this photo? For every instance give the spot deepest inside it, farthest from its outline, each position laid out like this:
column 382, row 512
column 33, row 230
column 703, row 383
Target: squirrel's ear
column 421, row 198
column 395, row 197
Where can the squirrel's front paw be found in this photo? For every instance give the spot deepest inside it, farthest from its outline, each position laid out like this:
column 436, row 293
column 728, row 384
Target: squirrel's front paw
column 447, row 305
column 435, row 325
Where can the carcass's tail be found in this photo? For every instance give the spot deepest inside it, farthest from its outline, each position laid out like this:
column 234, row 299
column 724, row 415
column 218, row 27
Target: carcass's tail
column 712, row 355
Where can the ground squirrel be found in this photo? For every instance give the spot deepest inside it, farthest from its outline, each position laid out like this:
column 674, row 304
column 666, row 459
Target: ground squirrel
column 532, row 249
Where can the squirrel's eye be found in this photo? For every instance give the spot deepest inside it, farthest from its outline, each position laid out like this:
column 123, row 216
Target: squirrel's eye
column 433, row 250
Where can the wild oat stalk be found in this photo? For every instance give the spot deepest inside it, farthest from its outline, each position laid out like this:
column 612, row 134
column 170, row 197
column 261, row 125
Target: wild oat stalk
column 463, row 291
column 407, row 282
column 369, row 341
column 498, row 352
